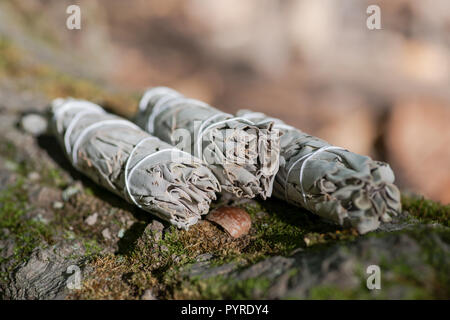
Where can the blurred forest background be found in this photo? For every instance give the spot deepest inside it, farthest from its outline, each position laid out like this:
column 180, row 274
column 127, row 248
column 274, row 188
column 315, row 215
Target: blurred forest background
column 314, row 64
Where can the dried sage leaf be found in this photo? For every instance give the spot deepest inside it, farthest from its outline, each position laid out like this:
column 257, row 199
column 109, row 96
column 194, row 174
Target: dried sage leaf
column 341, row 186
column 140, row 168
column 241, row 153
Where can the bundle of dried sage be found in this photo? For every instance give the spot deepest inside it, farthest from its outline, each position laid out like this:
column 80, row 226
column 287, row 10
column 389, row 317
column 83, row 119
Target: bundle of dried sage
column 142, row 169
column 339, row 185
column 242, row 154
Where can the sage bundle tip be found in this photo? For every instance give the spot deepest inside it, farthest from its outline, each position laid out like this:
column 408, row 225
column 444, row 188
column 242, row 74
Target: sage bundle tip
column 140, row 168
column 243, row 154
column 336, row 184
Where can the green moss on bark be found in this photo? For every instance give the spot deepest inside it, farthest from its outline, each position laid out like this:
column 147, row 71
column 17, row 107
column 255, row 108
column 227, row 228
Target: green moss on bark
column 427, row 210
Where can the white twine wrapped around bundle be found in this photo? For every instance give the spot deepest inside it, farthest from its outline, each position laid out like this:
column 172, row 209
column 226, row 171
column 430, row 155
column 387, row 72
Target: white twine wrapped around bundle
column 243, row 154
column 339, row 185
column 140, row 168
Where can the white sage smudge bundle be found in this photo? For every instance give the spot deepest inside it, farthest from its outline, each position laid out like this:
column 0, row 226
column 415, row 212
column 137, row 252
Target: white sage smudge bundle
column 140, row 168
column 338, row 185
column 241, row 153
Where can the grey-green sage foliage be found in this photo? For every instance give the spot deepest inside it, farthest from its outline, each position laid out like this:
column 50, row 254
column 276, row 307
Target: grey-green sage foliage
column 242, row 154
column 140, row 168
column 341, row 186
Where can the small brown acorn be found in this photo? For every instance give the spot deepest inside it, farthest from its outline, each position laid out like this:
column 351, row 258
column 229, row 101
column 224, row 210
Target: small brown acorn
column 233, row 220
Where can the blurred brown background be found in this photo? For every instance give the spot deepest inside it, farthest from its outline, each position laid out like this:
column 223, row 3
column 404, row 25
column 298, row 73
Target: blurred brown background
column 312, row 63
